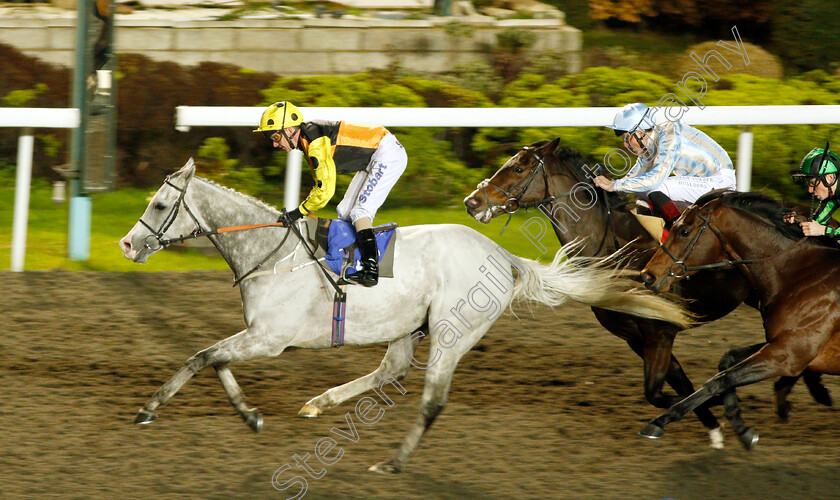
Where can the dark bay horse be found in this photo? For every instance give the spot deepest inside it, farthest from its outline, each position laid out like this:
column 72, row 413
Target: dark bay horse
column 556, row 180
column 795, row 278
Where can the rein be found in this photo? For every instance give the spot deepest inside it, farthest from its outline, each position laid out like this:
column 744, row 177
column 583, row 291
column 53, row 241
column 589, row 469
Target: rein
column 513, row 204
column 163, row 243
column 680, row 270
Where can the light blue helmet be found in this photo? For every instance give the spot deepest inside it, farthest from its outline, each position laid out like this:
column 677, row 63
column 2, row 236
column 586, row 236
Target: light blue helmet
column 632, row 117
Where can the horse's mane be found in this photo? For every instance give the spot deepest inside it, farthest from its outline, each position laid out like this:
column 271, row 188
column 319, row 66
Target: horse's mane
column 248, row 197
column 763, row 206
column 571, row 162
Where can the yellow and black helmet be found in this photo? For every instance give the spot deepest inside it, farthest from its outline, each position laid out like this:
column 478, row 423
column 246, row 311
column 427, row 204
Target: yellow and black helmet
column 279, row 116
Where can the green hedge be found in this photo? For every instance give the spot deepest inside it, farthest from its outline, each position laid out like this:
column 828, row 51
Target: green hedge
column 776, row 149
column 444, row 163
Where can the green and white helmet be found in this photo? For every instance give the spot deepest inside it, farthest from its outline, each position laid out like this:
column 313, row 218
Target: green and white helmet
column 818, row 163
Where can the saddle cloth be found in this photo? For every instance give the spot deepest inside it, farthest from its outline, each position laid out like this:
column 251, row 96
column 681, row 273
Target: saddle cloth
column 653, row 225
column 336, row 241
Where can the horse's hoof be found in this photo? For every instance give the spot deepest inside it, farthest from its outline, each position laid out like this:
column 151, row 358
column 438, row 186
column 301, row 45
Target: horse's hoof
column 145, row 417
column 749, row 438
column 783, row 411
column 309, row 411
column 254, row 420
column 387, row 467
column 716, row 438
column 822, row 396
column 652, row 431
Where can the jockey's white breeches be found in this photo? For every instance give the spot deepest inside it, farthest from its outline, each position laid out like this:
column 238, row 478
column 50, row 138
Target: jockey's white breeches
column 685, row 189
column 370, row 187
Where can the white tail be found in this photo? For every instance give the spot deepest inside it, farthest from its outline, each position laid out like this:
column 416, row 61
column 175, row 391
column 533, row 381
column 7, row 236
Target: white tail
column 594, row 282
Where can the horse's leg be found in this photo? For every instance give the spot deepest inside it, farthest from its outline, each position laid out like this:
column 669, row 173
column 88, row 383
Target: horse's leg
column 435, row 391
column 250, row 415
column 246, row 344
column 815, row 386
column 395, row 364
column 783, row 386
column 781, row 389
column 772, row 360
column 680, row 382
column 655, row 347
column 731, row 404
column 162, row 396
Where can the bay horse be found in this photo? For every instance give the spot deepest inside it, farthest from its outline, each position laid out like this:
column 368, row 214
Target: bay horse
column 558, row 182
column 795, row 278
column 438, row 269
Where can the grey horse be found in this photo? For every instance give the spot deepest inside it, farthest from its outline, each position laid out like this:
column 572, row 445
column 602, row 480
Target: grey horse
column 450, row 284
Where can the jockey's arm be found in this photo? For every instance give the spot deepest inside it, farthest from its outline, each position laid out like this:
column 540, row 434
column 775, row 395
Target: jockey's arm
column 822, row 225
column 320, row 158
column 639, row 180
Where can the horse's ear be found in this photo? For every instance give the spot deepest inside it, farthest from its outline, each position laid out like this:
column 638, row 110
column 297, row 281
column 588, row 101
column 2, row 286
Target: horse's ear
column 551, row 147
column 188, row 170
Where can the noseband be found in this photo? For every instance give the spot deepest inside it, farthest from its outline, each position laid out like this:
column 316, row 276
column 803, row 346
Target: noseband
column 157, row 235
column 513, row 204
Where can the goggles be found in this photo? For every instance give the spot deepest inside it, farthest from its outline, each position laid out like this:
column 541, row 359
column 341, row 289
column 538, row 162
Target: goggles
column 273, row 135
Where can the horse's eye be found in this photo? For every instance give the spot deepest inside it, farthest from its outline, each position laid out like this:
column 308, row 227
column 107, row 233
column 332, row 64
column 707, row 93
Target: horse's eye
column 684, row 232
column 159, row 206
column 518, row 170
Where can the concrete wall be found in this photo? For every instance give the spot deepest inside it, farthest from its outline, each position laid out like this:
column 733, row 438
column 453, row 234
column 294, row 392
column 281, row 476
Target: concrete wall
column 300, row 47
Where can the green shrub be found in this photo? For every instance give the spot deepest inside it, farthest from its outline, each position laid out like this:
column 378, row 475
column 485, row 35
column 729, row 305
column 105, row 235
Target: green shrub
column 805, row 34
column 434, row 174
column 29, row 82
column 776, row 149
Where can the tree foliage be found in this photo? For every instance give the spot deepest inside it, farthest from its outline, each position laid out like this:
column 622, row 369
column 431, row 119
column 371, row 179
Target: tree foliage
column 805, row 34
column 776, row 149
column 434, row 174
column 444, row 163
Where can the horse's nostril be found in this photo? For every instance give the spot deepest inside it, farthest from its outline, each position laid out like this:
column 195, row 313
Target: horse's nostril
column 472, row 202
column 648, row 278
column 125, row 245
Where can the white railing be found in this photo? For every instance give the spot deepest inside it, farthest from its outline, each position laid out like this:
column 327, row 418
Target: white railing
column 219, row 116
column 26, row 119
column 224, row 116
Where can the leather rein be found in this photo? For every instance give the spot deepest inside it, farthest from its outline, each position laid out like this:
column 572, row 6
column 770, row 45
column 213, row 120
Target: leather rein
column 680, row 270
column 163, row 243
column 513, row 203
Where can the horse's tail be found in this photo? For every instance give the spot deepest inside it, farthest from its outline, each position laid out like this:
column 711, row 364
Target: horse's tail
column 594, row 282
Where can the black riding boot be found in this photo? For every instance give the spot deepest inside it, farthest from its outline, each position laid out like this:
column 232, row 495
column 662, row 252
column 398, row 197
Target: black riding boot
column 667, row 209
column 368, row 275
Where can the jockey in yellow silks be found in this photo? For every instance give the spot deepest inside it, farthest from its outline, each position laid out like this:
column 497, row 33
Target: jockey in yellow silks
column 335, row 147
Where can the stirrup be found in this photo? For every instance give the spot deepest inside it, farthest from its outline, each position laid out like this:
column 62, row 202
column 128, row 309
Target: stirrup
column 364, row 279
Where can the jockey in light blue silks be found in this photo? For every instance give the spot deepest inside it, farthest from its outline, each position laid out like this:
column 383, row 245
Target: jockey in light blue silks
column 676, row 163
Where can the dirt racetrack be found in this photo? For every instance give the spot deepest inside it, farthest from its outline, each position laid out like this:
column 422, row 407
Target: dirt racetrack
column 546, row 406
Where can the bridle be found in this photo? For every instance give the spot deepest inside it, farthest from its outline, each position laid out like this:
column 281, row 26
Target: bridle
column 513, row 204
column 680, row 270
column 163, row 243
column 169, row 220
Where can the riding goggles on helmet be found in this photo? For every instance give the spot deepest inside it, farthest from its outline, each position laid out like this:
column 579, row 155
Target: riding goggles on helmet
column 632, row 117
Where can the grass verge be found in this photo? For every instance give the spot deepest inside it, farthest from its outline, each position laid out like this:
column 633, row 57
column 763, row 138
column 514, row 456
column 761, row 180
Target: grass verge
column 115, row 213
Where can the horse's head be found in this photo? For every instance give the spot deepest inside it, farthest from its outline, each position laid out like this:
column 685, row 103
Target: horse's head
column 163, row 218
column 693, row 243
column 522, row 181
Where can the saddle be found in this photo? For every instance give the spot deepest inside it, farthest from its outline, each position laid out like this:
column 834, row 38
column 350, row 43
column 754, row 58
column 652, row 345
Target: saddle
column 335, row 241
